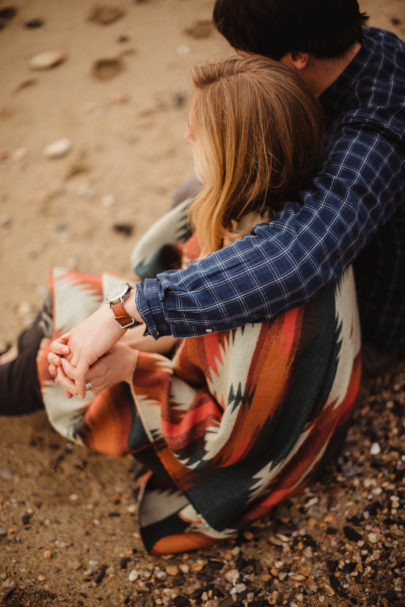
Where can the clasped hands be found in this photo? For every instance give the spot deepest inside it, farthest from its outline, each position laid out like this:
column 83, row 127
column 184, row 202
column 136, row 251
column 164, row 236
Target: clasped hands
column 90, row 353
column 99, row 351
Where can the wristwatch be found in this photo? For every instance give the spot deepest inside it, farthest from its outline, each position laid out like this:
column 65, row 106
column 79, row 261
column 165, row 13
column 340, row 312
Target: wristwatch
column 115, row 300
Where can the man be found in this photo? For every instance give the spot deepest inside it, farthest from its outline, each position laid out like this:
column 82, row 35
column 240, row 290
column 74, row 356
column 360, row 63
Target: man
column 357, row 198
column 354, row 211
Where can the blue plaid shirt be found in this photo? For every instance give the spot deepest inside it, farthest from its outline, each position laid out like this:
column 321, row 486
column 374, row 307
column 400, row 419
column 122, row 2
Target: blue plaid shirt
column 354, row 212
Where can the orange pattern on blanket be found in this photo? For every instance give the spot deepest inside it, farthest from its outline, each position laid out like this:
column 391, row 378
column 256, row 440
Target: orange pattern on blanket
column 181, row 542
column 107, row 422
column 298, row 471
column 266, row 382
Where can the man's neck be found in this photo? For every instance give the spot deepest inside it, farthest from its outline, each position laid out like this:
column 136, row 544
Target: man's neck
column 319, row 74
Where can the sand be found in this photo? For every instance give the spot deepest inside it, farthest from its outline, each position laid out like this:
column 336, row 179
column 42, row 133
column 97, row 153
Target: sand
column 119, row 94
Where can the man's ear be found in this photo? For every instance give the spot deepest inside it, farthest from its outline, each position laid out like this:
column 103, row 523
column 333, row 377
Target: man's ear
column 296, row 60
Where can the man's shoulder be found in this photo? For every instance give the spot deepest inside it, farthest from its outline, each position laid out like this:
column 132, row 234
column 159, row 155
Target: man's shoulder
column 371, row 90
column 382, row 35
column 379, row 83
column 383, row 43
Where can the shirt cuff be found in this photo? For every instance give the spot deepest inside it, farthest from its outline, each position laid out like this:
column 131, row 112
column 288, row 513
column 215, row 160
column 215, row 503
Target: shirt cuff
column 149, row 306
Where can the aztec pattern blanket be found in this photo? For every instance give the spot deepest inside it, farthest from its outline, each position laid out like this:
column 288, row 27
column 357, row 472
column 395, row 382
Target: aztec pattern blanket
column 232, row 424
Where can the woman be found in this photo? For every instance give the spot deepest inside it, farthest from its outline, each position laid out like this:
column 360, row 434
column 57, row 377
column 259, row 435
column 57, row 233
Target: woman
column 235, row 421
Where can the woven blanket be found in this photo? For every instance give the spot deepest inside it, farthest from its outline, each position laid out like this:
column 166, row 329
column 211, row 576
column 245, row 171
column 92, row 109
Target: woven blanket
column 232, row 424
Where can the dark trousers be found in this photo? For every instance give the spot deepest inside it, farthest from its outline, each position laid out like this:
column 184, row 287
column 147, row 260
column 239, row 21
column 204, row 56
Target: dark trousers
column 20, row 392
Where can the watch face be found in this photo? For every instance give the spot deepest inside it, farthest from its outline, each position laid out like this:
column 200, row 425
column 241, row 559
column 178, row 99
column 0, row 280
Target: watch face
column 118, row 291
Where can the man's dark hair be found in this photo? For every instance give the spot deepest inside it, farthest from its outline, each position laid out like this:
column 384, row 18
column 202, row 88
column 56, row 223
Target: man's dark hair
column 325, row 28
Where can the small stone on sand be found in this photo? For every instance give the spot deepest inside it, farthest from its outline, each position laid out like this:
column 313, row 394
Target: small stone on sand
column 47, row 59
column 58, row 148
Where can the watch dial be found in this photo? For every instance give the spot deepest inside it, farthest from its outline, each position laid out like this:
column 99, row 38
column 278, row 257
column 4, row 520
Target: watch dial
column 118, row 291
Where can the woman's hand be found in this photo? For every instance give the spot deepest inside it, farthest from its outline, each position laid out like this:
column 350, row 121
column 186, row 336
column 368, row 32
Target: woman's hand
column 114, row 367
column 84, row 345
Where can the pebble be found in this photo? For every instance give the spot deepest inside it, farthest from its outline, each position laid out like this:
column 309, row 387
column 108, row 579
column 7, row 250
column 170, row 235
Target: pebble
column 123, row 228
column 202, row 28
column 375, row 449
column 351, row 534
column 298, row 577
column 232, row 575
column 8, row 586
column 105, row 15
column 34, row 23
column 373, row 538
column 58, row 148
column 172, row 570
column 100, row 574
column 26, row 518
column 184, row 568
column 133, row 575
column 395, row 501
column 47, row 59
column 107, row 68
column 3, row 532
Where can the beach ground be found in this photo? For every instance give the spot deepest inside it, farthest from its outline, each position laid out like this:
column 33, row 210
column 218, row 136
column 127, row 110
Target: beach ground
column 118, row 97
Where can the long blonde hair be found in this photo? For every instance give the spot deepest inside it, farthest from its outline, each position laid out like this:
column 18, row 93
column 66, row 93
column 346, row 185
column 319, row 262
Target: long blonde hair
column 260, row 131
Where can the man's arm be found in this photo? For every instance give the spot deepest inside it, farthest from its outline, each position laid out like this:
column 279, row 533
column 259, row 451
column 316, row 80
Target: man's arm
column 282, row 264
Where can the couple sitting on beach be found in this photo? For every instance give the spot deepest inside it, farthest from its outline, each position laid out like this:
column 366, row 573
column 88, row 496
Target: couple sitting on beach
column 241, row 411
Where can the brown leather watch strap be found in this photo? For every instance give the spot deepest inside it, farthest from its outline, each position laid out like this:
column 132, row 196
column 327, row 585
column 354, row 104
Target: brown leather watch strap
column 122, row 316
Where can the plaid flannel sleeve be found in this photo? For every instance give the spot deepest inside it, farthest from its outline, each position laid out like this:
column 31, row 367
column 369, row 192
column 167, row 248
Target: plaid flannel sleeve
column 283, row 264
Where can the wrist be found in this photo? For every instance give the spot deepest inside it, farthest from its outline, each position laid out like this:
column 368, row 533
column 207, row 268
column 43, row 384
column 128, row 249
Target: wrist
column 110, row 320
column 130, row 306
column 121, row 301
